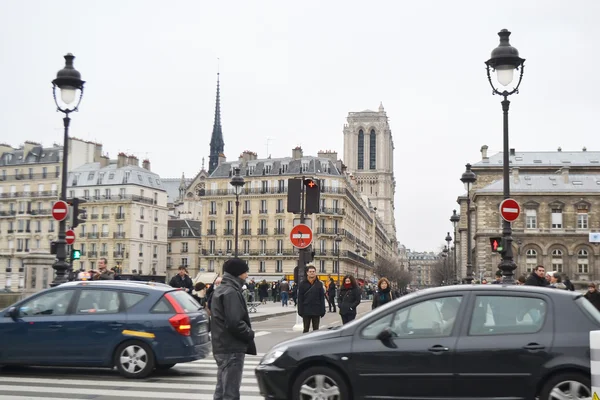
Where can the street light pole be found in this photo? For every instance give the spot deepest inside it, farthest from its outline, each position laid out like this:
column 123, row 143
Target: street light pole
column 448, row 240
column 445, row 256
column 68, row 80
column 469, row 178
column 505, row 60
column 237, row 182
column 338, row 240
column 454, row 219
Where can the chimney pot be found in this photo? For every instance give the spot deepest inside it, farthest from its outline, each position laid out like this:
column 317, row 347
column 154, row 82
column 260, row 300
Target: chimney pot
column 512, row 152
column 484, row 150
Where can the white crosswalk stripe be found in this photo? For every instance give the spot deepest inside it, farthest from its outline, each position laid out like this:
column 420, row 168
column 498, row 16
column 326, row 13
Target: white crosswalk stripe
column 195, row 380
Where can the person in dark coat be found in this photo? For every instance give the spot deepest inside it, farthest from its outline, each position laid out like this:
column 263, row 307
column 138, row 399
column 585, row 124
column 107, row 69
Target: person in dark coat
column 182, row 280
column 311, row 299
column 348, row 299
column 593, row 296
column 331, row 291
column 383, row 295
column 537, row 277
column 232, row 335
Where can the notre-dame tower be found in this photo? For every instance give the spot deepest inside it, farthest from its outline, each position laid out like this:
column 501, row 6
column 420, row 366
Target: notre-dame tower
column 369, row 157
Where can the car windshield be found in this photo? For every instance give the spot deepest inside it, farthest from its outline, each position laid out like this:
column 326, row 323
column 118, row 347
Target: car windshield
column 589, row 308
column 187, row 302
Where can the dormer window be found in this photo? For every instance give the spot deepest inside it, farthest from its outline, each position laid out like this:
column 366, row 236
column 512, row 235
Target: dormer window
column 268, row 168
column 305, row 166
column 284, row 167
column 251, row 169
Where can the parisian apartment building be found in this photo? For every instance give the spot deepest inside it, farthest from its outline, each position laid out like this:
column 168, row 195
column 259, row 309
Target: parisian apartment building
column 559, row 195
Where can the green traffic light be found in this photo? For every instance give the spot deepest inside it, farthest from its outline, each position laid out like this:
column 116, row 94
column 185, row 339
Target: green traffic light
column 75, row 254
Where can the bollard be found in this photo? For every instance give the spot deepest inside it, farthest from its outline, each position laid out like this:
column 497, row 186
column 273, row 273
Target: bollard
column 595, row 363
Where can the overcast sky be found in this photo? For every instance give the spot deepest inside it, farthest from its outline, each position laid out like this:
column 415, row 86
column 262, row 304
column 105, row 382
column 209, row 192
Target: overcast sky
column 291, row 72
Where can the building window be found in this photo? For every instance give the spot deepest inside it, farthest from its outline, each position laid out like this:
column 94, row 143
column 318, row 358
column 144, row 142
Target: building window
column 184, row 247
column 263, row 247
column 246, row 247
column 322, row 266
column 582, row 221
column 557, row 218
column 582, row 262
column 372, row 150
column 557, row 260
column 141, row 231
column 530, row 219
column 228, row 245
column 361, row 149
column 278, row 266
column 336, row 267
column 211, row 265
column 261, row 266
column 211, row 247
column 279, row 246
column 531, row 260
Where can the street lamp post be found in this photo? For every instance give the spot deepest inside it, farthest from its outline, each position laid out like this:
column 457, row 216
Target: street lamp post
column 454, row 219
column 68, row 80
column 445, row 256
column 338, row 241
column 505, row 60
column 238, row 183
column 448, row 240
column 469, row 178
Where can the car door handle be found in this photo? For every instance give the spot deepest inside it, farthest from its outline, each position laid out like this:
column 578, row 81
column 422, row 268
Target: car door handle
column 115, row 325
column 438, row 348
column 534, row 346
column 55, row 326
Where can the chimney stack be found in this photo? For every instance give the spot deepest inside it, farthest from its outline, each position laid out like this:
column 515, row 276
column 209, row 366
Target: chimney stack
column 512, row 152
column 133, row 160
column 515, row 174
column 247, row 155
column 121, row 160
column 97, row 152
column 297, row 153
column 222, row 159
column 565, row 173
column 104, row 161
column 484, row 155
column 329, row 154
column 146, row 164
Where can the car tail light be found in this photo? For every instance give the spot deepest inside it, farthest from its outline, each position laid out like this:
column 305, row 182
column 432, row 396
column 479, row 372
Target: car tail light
column 181, row 323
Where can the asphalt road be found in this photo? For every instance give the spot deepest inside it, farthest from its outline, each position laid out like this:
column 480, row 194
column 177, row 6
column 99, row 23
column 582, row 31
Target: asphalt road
column 278, row 329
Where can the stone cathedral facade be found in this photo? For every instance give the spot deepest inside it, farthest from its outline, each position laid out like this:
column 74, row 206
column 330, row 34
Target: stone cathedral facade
column 369, row 157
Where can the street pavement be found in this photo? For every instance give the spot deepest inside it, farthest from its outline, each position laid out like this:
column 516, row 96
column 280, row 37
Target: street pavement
column 195, row 380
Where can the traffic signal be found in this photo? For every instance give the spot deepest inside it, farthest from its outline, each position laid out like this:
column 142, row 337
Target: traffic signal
column 497, row 244
column 294, row 194
column 78, row 215
column 53, row 245
column 312, row 193
column 75, row 254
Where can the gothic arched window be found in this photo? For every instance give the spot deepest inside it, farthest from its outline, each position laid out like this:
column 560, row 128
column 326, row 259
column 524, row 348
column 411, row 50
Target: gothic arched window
column 361, row 150
column 557, row 260
column 372, row 150
column 582, row 262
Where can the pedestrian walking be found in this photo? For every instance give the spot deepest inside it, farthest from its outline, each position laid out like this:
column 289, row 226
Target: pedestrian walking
column 232, row 335
column 592, row 295
column 284, row 288
column 383, row 295
column 537, row 277
column 331, row 291
column 311, row 299
column 182, row 280
column 349, row 299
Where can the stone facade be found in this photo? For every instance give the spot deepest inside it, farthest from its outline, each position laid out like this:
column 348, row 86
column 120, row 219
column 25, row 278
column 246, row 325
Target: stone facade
column 369, row 158
column 184, row 246
column 264, row 224
column 421, row 266
column 559, row 195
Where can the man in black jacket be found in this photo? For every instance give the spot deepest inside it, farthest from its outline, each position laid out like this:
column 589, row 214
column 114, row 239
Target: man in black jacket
column 182, row 280
column 537, row 277
column 311, row 299
column 232, row 334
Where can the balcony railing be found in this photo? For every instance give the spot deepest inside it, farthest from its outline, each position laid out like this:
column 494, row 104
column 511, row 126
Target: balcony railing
column 211, row 232
column 121, row 198
column 118, row 254
column 279, row 231
column 20, row 177
column 263, row 231
column 246, row 232
column 227, row 232
column 93, row 235
column 330, row 231
column 333, row 210
column 120, row 216
column 119, row 235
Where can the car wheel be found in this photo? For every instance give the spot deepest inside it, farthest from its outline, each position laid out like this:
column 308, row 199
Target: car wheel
column 320, row 383
column 568, row 385
column 164, row 367
column 134, row 359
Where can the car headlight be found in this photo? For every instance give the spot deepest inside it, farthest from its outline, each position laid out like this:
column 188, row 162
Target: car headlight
column 272, row 356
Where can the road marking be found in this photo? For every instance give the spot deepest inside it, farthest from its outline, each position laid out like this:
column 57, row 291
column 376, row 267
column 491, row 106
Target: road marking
column 261, row 333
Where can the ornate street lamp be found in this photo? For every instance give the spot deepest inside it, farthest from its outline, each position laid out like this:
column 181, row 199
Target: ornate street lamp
column 445, row 256
column 448, row 240
column 455, row 218
column 238, row 183
column 505, row 60
column 68, row 80
column 469, row 178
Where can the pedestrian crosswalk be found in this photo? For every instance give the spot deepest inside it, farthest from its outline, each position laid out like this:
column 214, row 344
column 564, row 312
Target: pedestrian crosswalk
column 195, row 380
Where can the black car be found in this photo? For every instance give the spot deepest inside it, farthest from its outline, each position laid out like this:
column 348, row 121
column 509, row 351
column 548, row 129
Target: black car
column 453, row 342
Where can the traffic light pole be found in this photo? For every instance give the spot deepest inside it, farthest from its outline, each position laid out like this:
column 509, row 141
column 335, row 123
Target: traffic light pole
column 61, row 265
column 299, row 326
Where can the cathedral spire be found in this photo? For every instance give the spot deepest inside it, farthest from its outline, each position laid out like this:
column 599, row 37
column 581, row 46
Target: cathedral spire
column 217, row 145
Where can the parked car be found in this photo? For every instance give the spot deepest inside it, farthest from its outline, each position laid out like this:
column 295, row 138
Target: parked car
column 134, row 326
column 452, row 342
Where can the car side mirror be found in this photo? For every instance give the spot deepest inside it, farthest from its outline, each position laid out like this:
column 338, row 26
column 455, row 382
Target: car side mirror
column 13, row 312
column 385, row 336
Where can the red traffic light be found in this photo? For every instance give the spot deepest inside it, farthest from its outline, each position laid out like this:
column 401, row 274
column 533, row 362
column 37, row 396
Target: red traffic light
column 496, row 243
column 311, row 183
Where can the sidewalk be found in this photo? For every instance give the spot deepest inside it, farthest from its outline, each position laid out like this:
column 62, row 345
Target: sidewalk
column 270, row 310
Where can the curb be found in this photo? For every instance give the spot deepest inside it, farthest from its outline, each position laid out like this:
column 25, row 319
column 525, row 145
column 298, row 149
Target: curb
column 267, row 316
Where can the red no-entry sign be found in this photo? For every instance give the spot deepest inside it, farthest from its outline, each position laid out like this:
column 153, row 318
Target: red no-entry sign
column 70, row 236
column 510, row 210
column 60, row 210
column 301, row 236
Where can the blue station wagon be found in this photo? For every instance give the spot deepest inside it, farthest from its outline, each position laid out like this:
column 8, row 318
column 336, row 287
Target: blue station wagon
column 134, row 326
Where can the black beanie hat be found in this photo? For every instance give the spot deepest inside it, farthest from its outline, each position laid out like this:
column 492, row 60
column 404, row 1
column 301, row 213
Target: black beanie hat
column 235, row 266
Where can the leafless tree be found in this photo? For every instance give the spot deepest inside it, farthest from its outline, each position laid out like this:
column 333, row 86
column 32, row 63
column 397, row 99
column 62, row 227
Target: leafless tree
column 393, row 272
